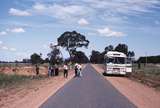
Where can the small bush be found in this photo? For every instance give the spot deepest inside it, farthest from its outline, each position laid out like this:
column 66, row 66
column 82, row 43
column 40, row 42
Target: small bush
column 7, row 80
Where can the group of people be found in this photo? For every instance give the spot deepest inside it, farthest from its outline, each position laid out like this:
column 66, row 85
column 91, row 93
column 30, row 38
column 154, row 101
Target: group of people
column 78, row 70
column 54, row 70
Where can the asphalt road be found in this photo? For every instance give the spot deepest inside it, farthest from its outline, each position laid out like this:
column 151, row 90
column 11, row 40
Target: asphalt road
column 89, row 91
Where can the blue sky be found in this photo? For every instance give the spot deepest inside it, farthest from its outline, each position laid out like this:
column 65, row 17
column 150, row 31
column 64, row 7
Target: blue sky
column 28, row 26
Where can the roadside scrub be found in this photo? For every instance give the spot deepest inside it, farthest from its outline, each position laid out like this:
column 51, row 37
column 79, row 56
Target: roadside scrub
column 147, row 74
column 7, row 80
column 29, row 91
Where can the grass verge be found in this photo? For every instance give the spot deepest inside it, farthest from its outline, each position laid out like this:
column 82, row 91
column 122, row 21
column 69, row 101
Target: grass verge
column 12, row 80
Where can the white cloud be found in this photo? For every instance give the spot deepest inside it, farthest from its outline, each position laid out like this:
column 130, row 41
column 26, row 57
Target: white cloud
column 3, row 33
column 39, row 7
column 60, row 11
column 109, row 33
column 17, row 30
column 1, row 42
column 110, row 11
column 4, row 48
column 12, row 30
column 17, row 12
column 83, row 22
column 127, row 6
column 12, row 49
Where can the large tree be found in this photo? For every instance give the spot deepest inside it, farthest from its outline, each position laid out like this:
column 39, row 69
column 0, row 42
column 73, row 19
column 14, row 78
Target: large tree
column 36, row 58
column 71, row 41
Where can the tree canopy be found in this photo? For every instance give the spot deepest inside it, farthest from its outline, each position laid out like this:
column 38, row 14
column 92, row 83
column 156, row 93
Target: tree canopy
column 122, row 48
column 36, row 58
column 72, row 40
column 109, row 48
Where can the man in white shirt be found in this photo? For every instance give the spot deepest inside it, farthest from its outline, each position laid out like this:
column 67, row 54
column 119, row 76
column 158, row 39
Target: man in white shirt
column 65, row 67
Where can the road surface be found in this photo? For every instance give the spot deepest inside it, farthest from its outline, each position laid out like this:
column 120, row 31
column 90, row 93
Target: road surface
column 89, row 91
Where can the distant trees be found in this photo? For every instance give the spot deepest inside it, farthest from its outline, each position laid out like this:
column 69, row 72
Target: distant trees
column 130, row 54
column 94, row 56
column 36, row 58
column 55, row 56
column 149, row 59
column 98, row 57
column 122, row 48
column 71, row 41
column 26, row 61
column 109, row 48
column 80, row 57
column 46, row 60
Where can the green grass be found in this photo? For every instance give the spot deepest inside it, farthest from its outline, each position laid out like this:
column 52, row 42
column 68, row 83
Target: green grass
column 14, row 80
column 9, row 80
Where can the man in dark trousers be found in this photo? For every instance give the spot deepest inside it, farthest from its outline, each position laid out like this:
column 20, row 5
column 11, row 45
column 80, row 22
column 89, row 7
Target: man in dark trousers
column 65, row 67
column 76, row 69
column 52, row 71
column 56, row 70
column 37, row 70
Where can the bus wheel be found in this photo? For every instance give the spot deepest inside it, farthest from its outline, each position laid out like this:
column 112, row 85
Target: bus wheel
column 104, row 73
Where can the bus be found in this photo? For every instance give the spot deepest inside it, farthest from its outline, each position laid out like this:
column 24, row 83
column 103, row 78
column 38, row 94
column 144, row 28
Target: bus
column 117, row 63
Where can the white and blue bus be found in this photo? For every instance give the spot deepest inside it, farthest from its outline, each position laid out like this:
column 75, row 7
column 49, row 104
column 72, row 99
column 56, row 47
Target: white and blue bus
column 117, row 63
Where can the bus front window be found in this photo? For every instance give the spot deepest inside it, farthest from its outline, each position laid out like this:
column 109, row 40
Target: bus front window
column 119, row 60
column 116, row 60
column 110, row 60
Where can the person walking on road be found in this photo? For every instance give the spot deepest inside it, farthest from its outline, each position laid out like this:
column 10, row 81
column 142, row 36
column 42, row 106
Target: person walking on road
column 65, row 67
column 79, row 70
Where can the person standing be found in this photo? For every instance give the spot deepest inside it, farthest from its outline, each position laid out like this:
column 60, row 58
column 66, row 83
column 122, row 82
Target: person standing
column 76, row 69
column 79, row 70
column 65, row 67
column 56, row 70
column 37, row 70
column 52, row 71
column 49, row 71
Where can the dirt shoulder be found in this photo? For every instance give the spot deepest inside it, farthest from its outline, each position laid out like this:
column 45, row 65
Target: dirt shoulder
column 33, row 93
column 140, row 95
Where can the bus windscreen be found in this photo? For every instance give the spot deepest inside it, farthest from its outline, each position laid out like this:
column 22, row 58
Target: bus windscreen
column 116, row 60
